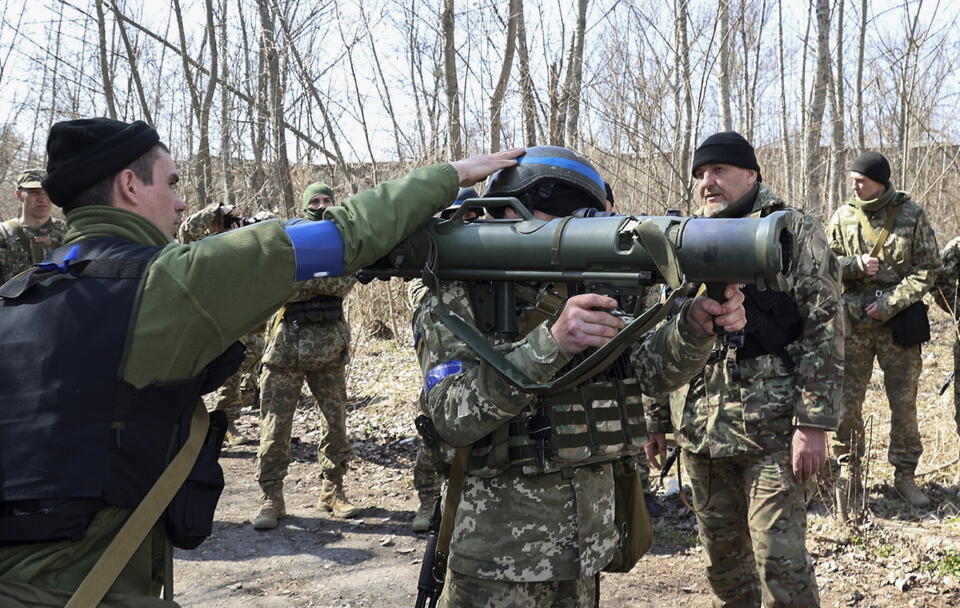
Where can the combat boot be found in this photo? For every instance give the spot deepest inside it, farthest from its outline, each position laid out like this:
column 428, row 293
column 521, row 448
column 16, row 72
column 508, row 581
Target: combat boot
column 233, row 437
column 334, row 500
column 271, row 511
column 907, row 487
column 424, row 515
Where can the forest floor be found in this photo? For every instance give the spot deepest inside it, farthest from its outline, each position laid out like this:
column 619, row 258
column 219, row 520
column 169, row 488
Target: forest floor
column 897, row 557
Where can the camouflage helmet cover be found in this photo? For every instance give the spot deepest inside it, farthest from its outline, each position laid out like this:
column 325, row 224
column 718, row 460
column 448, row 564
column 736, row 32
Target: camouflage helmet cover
column 542, row 163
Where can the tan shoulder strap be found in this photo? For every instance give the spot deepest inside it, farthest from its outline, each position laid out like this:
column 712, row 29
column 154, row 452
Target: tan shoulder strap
column 98, row 581
column 458, row 471
column 871, row 234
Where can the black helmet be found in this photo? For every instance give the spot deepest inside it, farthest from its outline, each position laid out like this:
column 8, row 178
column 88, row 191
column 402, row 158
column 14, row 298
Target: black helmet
column 463, row 195
column 546, row 174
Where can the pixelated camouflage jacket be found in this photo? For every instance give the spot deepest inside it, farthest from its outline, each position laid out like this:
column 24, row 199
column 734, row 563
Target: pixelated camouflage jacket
column 908, row 261
column 516, row 526
column 720, row 416
column 307, row 345
column 16, row 256
column 946, row 286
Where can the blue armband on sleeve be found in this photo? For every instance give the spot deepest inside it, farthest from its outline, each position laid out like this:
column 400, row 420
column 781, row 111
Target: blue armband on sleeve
column 317, row 247
column 439, row 372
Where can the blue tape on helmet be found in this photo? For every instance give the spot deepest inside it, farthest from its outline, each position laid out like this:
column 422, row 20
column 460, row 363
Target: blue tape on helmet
column 565, row 163
column 317, row 247
column 439, row 372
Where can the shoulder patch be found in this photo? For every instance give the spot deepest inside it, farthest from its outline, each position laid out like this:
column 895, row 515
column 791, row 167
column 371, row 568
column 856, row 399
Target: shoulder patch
column 439, row 372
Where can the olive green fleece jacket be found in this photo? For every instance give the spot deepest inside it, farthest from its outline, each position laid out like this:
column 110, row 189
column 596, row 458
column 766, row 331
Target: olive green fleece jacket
column 196, row 300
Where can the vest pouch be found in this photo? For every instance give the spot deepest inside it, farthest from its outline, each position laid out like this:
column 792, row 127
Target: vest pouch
column 323, row 310
column 911, row 326
column 630, row 517
column 190, row 514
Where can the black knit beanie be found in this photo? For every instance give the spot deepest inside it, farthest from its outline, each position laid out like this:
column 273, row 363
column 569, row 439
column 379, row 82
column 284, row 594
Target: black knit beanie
column 874, row 165
column 82, row 152
column 729, row 148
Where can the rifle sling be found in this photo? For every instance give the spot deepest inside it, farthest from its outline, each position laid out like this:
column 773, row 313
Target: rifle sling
column 458, row 471
column 598, row 361
column 871, row 234
column 131, row 535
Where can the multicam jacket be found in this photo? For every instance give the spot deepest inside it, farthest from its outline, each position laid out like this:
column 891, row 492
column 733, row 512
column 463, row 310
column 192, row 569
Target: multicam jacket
column 21, row 246
column 908, row 261
column 721, row 416
column 518, row 526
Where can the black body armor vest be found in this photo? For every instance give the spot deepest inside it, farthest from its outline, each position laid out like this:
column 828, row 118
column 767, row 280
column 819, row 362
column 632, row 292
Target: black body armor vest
column 75, row 437
column 773, row 322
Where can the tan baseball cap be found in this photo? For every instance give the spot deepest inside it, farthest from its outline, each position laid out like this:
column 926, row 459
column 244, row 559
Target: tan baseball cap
column 30, row 178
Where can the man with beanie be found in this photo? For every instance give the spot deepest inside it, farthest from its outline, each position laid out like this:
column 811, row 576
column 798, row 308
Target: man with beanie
column 890, row 259
column 27, row 239
column 535, row 523
column 752, row 425
column 307, row 339
column 135, row 327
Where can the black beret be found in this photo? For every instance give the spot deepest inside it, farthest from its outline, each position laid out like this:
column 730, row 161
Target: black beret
column 82, row 152
column 874, row 165
column 729, row 148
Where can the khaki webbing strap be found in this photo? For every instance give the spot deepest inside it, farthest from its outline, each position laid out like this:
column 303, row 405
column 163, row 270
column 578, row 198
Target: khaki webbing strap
column 98, row 581
column 458, row 471
column 275, row 323
column 871, row 234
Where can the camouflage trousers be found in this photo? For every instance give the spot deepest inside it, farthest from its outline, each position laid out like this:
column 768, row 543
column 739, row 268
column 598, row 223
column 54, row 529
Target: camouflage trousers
column 426, row 480
column 279, row 393
column 901, row 375
column 462, row 591
column 228, row 397
column 752, row 527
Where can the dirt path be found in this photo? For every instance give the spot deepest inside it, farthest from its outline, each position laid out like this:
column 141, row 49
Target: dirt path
column 898, row 558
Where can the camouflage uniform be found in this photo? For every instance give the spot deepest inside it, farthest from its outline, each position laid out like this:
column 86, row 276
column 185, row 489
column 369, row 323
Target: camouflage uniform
column 525, row 537
column 736, row 436
column 316, row 351
column 228, row 398
column 908, row 266
column 426, row 478
column 945, row 295
column 21, row 245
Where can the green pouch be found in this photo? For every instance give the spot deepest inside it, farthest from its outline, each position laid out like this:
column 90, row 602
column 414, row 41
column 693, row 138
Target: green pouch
column 630, row 517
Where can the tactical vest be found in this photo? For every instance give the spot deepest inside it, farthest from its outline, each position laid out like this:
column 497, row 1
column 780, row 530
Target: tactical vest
column 597, row 422
column 773, row 322
column 74, row 436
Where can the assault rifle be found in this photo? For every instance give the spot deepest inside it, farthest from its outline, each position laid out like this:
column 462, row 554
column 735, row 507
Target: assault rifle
column 618, row 256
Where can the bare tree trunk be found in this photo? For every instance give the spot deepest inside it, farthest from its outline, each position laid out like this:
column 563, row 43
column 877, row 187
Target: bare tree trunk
column 205, row 178
column 496, row 100
column 556, row 104
column 861, row 140
column 574, row 80
column 272, row 70
column 784, row 117
column 726, row 116
column 526, row 82
column 226, row 109
column 837, row 139
column 817, row 104
column 684, row 97
column 455, row 143
column 105, row 74
column 132, row 60
column 383, row 87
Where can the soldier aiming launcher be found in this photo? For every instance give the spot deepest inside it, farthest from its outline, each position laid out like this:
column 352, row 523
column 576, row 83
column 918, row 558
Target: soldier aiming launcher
column 616, row 255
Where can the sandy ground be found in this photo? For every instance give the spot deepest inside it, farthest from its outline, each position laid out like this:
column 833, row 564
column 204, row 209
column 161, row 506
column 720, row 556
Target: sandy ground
column 898, row 557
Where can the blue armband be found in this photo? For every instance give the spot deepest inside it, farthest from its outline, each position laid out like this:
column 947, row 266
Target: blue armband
column 439, row 372
column 317, row 247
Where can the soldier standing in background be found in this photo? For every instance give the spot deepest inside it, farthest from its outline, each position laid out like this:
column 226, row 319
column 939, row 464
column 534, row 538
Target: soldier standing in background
column 890, row 259
column 215, row 219
column 752, row 425
column 308, row 339
column 945, row 295
column 27, row 239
